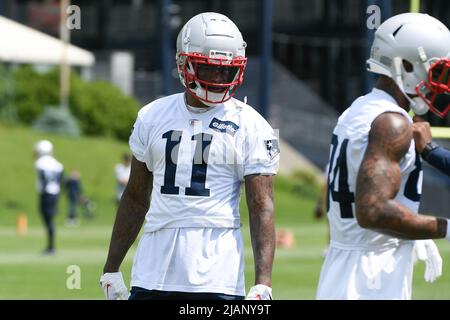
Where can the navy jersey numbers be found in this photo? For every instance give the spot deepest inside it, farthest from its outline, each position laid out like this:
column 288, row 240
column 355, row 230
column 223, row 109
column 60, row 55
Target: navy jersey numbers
column 338, row 171
column 199, row 164
column 411, row 189
column 342, row 195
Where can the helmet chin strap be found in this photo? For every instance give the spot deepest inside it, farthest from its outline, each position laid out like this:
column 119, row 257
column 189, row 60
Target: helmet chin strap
column 209, row 104
column 201, row 93
column 417, row 105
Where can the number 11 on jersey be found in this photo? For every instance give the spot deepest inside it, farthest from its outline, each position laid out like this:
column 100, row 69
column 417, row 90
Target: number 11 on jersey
column 199, row 163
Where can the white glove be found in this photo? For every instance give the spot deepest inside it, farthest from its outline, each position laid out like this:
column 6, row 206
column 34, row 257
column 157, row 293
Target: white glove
column 259, row 292
column 426, row 250
column 113, row 286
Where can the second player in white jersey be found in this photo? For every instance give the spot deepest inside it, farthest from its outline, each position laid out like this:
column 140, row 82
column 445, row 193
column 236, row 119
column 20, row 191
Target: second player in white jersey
column 348, row 146
column 375, row 176
column 367, row 258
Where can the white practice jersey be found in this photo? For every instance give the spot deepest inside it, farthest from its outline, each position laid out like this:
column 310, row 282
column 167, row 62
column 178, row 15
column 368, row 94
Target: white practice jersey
column 199, row 160
column 49, row 174
column 349, row 143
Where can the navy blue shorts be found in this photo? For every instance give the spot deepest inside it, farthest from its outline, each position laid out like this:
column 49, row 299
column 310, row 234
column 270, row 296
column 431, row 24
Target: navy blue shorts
column 138, row 293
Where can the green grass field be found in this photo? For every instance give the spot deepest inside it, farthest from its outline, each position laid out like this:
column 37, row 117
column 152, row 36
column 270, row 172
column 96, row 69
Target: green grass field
column 25, row 274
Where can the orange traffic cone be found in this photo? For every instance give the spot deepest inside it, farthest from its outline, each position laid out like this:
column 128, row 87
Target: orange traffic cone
column 22, row 224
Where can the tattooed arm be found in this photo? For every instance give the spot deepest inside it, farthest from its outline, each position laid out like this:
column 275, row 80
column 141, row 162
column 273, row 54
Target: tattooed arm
column 130, row 215
column 378, row 183
column 259, row 192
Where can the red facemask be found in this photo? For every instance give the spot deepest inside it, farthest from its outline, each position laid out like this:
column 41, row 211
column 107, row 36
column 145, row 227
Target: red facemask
column 436, row 91
column 218, row 77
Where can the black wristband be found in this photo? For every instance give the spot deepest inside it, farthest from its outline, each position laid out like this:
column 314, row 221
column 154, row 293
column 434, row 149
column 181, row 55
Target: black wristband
column 428, row 148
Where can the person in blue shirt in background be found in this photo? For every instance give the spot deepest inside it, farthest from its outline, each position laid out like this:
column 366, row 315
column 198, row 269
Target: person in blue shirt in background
column 74, row 190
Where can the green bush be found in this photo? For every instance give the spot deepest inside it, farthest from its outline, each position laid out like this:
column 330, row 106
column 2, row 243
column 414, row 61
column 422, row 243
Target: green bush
column 34, row 91
column 99, row 107
column 102, row 109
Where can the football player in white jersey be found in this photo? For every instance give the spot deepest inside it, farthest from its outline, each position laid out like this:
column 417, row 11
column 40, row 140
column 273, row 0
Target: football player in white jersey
column 191, row 153
column 49, row 172
column 375, row 176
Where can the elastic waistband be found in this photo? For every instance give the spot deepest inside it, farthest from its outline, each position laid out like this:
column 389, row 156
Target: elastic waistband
column 369, row 247
column 193, row 222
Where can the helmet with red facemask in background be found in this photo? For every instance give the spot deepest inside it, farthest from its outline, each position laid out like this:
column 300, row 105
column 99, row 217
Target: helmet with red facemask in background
column 414, row 50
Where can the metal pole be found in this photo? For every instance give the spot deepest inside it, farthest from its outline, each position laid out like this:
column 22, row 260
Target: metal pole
column 386, row 9
column 166, row 46
column 265, row 57
column 103, row 8
column 414, row 6
column 65, row 68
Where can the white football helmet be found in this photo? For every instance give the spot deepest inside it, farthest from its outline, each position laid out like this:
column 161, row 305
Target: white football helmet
column 211, row 43
column 424, row 42
column 43, row 148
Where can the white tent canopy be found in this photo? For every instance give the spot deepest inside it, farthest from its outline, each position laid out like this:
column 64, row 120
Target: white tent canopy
column 22, row 44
